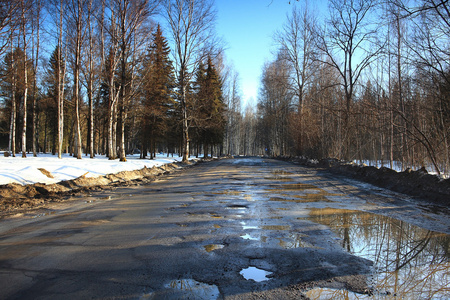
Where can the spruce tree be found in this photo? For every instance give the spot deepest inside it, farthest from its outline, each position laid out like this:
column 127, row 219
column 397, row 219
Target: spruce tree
column 209, row 106
column 158, row 88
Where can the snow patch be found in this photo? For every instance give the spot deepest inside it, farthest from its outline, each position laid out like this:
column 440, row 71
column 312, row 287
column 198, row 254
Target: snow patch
column 26, row 170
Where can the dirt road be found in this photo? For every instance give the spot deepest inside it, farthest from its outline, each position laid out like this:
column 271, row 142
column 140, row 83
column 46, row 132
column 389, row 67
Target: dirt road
column 230, row 229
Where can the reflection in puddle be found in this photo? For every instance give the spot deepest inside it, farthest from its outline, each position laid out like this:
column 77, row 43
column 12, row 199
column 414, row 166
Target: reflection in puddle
column 248, row 197
column 252, row 273
column 278, row 178
column 236, row 206
column 212, row 247
column 276, row 227
column 281, row 172
column 245, row 227
column 44, row 214
column 295, row 187
column 324, row 293
column 191, row 289
column 249, row 237
column 231, row 193
column 293, row 241
column 409, row 261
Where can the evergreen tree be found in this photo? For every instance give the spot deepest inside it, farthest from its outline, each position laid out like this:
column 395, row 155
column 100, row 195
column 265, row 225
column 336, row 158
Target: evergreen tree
column 12, row 87
column 210, row 121
column 157, row 98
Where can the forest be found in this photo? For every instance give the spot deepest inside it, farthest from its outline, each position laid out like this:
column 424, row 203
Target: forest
column 110, row 83
column 369, row 81
column 364, row 81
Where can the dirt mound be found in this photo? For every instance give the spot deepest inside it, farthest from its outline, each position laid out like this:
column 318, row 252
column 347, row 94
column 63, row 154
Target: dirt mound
column 15, row 197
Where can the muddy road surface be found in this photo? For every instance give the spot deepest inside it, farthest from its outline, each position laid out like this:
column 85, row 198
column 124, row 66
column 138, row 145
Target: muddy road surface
column 247, row 228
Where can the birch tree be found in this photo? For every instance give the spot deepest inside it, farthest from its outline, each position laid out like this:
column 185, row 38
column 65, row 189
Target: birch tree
column 24, row 8
column 75, row 11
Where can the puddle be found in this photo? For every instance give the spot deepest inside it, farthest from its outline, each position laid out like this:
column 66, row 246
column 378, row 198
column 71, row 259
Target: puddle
column 278, row 178
column 248, row 197
column 325, row 293
column 246, row 227
column 294, row 241
column 281, row 172
column 409, row 262
column 294, row 187
column 255, row 274
column 321, row 196
column 230, row 193
column 44, row 214
column 275, row 227
column 212, row 247
column 249, row 237
column 236, row 206
column 191, row 289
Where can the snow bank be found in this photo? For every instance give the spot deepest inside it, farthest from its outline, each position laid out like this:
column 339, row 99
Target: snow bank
column 26, row 170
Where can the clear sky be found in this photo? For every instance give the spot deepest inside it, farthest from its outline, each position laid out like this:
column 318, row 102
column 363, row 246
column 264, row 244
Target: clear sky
column 247, row 26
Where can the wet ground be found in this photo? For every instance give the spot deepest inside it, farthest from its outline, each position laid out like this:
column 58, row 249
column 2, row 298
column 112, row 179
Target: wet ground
column 232, row 229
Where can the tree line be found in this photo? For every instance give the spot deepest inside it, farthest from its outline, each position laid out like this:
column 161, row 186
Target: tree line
column 370, row 80
column 102, row 76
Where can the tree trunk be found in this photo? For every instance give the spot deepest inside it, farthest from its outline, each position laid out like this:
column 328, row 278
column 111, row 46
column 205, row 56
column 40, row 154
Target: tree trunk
column 25, row 82
column 36, row 64
column 78, row 150
column 12, row 130
column 61, row 82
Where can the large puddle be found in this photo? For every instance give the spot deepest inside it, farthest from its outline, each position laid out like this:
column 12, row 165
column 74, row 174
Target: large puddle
column 409, row 262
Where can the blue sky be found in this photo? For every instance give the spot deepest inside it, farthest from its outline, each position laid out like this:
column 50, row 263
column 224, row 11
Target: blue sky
column 247, row 26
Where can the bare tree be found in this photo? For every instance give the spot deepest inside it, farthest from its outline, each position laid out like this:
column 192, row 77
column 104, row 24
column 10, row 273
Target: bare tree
column 133, row 34
column 275, row 105
column 347, row 44
column 296, row 39
column 8, row 21
column 191, row 23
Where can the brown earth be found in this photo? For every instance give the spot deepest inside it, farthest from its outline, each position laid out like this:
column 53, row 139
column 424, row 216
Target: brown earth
column 16, row 198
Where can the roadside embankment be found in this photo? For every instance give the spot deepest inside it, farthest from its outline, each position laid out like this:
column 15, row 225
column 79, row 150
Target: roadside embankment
column 15, row 197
